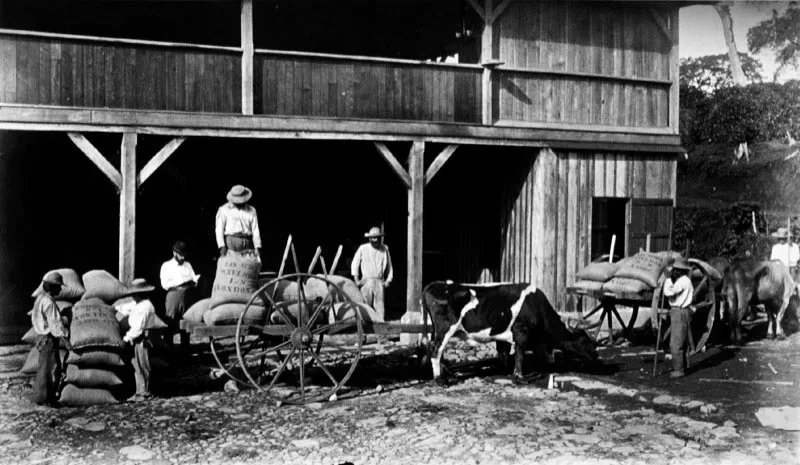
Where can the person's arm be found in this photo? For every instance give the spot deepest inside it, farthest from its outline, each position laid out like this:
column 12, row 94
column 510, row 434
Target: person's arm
column 195, row 276
column 671, row 288
column 136, row 321
column 54, row 322
column 355, row 267
column 219, row 230
column 256, row 230
column 775, row 255
column 166, row 282
column 389, row 268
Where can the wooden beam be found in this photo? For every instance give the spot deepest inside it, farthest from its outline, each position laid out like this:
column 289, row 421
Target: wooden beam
column 662, row 25
column 439, row 162
column 393, row 163
column 481, row 12
column 499, row 10
column 674, row 71
column 97, row 158
column 246, row 19
column 159, row 159
column 416, row 169
column 127, row 208
column 486, row 57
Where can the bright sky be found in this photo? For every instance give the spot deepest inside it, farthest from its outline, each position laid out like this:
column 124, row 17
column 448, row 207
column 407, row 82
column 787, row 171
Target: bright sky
column 701, row 32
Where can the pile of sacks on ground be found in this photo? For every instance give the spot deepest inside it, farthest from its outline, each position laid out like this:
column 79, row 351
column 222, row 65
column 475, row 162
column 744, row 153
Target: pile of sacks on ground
column 96, row 371
column 631, row 275
column 237, row 280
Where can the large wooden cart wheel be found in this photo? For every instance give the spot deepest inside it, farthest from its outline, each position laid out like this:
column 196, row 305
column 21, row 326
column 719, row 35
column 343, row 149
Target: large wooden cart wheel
column 293, row 366
column 704, row 302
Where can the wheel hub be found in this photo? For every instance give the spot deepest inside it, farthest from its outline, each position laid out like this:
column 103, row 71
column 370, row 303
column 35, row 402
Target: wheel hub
column 301, row 338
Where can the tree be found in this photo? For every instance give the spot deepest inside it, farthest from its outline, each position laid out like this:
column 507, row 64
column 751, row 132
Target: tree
column 711, row 72
column 724, row 11
column 781, row 33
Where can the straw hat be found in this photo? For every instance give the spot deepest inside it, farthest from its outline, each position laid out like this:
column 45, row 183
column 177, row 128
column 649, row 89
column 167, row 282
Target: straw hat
column 373, row 232
column 239, row 194
column 681, row 263
column 140, row 286
column 782, row 233
column 54, row 278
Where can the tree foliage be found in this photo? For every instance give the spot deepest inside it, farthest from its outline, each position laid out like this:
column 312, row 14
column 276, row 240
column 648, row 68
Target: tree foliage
column 711, row 72
column 781, row 33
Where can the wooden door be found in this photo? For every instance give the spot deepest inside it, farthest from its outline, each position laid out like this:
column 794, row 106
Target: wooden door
column 653, row 217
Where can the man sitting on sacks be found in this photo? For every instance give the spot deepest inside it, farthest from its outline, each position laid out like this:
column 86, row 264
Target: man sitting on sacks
column 141, row 318
column 236, row 227
column 47, row 323
column 180, row 281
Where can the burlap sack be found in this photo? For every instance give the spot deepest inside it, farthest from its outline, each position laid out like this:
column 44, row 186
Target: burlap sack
column 94, row 324
column 95, row 358
column 645, row 267
column 292, row 310
column 197, row 311
column 228, row 314
column 29, row 337
column 348, row 287
column 103, row 285
column 92, row 377
column 72, row 290
column 284, row 290
column 625, row 286
column 74, row 396
column 31, row 364
column 342, row 311
column 236, row 280
column 600, row 272
column 588, row 285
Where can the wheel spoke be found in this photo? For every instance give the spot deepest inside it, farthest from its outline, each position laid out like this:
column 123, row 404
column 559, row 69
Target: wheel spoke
column 281, row 368
column 302, row 374
column 324, row 368
column 317, row 311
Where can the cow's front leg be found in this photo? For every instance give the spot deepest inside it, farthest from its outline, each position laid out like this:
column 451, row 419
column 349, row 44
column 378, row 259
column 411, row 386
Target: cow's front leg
column 504, row 355
column 438, row 352
column 520, row 344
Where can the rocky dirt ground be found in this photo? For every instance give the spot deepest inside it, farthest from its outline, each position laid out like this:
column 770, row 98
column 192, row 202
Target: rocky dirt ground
column 393, row 414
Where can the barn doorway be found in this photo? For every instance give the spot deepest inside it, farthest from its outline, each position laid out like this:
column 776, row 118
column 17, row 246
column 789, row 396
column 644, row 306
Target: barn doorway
column 608, row 220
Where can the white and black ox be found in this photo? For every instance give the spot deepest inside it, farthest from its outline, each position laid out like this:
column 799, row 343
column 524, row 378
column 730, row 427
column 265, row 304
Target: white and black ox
column 750, row 282
column 517, row 314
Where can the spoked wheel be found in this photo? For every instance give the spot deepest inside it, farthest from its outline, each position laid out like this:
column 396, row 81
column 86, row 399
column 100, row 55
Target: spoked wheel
column 704, row 302
column 294, row 365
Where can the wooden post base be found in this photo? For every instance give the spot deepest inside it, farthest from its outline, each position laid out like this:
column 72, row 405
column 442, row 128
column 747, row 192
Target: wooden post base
column 411, row 317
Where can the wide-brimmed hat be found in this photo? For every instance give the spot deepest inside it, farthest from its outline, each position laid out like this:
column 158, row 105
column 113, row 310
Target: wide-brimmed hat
column 239, row 194
column 180, row 248
column 54, row 278
column 374, row 232
column 681, row 264
column 781, row 233
column 140, row 286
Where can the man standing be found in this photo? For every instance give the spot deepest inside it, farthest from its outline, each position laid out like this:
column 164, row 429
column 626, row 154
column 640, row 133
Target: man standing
column 237, row 224
column 141, row 317
column 49, row 327
column 785, row 251
column 179, row 280
column 679, row 291
column 372, row 270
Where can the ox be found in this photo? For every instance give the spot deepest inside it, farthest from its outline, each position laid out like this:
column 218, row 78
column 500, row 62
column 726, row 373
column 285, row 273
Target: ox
column 750, row 282
column 517, row 314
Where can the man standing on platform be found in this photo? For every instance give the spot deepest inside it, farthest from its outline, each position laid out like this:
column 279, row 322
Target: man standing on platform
column 180, row 281
column 785, row 251
column 372, row 270
column 237, row 225
column 49, row 327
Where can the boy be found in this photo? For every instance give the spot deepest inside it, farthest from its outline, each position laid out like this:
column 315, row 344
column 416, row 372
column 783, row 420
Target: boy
column 141, row 317
column 679, row 290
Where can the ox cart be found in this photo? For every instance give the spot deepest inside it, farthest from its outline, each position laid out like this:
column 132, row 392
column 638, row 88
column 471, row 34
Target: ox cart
column 706, row 303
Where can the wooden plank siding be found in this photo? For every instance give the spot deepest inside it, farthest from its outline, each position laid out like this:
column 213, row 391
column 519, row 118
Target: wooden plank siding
column 303, row 85
column 82, row 73
column 582, row 63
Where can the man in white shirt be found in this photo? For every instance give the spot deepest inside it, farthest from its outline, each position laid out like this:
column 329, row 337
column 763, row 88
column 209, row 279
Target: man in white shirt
column 49, row 328
column 236, row 227
column 141, row 317
column 180, row 281
column 785, row 252
column 679, row 291
column 372, row 270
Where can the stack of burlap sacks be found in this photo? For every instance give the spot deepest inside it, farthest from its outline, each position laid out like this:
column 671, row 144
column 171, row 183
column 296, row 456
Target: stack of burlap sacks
column 237, row 279
column 632, row 275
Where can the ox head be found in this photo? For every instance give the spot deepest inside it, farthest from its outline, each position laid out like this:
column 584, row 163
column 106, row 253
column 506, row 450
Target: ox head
column 580, row 345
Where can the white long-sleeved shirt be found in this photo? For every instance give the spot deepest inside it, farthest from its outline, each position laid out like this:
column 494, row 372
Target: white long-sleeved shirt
column 788, row 254
column 679, row 293
column 46, row 318
column 174, row 274
column 372, row 263
column 141, row 315
column 233, row 220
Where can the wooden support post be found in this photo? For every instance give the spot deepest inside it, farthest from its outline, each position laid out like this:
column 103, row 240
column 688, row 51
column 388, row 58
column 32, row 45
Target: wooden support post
column 97, row 158
column 439, row 162
column 416, row 171
column 159, row 159
column 674, row 70
column 246, row 20
column 662, row 25
column 393, row 163
column 487, row 57
column 127, row 208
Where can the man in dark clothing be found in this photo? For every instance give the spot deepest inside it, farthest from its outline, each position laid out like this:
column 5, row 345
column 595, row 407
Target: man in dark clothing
column 47, row 323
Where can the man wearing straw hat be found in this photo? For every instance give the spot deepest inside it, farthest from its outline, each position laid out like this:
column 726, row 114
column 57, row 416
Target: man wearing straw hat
column 236, row 227
column 372, row 270
column 47, row 323
column 785, row 252
column 141, row 317
column 679, row 291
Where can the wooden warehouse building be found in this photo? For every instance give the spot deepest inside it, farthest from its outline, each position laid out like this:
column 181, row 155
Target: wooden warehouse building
column 549, row 126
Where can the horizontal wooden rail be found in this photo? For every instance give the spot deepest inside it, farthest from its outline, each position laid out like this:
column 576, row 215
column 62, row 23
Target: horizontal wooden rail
column 333, row 56
column 585, row 127
column 574, row 74
column 115, row 40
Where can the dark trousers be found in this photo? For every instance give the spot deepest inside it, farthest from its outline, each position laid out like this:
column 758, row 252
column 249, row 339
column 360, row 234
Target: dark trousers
column 680, row 320
column 48, row 376
column 178, row 300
